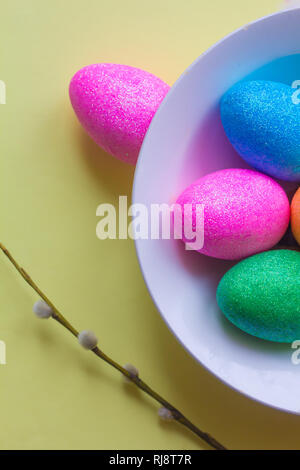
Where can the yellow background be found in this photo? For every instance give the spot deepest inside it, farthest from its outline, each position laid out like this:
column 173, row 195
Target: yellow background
column 53, row 394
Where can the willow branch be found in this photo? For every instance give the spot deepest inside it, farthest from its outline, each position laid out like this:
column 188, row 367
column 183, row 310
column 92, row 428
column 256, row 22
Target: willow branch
column 56, row 315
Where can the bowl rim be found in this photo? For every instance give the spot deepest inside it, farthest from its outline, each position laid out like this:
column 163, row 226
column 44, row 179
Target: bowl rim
column 137, row 243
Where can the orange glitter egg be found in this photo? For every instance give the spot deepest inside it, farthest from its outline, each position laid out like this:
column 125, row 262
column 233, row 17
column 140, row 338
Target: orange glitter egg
column 295, row 215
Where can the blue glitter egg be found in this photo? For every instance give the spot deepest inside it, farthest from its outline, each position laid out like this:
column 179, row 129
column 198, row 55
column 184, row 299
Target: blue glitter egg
column 262, row 121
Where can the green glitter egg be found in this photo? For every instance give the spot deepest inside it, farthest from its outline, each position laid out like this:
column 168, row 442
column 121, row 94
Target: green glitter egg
column 261, row 295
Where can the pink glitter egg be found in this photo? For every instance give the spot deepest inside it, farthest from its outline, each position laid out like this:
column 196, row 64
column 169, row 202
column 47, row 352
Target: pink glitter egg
column 245, row 212
column 115, row 104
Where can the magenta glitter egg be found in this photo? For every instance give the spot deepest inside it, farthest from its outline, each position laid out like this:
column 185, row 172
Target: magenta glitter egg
column 115, row 104
column 245, row 212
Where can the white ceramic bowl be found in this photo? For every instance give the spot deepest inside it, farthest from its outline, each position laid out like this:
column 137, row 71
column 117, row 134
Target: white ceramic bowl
column 185, row 141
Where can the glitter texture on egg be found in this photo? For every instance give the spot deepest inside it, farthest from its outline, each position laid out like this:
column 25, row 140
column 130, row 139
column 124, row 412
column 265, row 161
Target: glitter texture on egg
column 115, row 104
column 245, row 212
column 261, row 295
column 262, row 121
